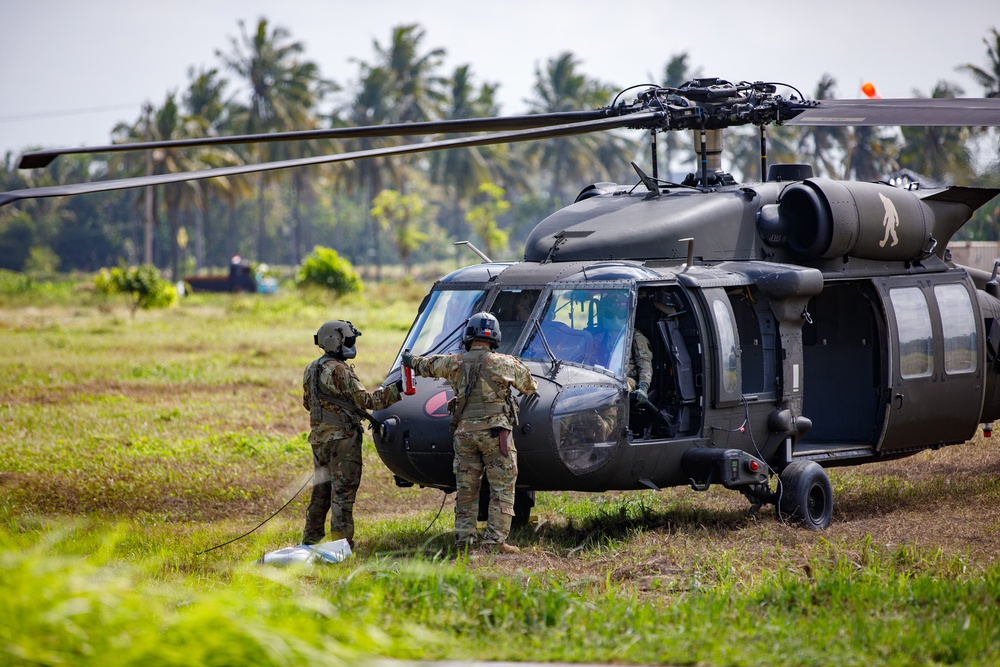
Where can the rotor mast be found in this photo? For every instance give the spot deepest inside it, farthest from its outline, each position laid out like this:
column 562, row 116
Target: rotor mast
column 710, row 142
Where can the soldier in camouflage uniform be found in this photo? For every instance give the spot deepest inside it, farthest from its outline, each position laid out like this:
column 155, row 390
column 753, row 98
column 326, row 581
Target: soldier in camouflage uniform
column 639, row 373
column 337, row 402
column 484, row 414
column 613, row 312
column 612, row 316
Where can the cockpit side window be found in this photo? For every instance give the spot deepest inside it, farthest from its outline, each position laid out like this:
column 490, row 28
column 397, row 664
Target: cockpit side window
column 513, row 308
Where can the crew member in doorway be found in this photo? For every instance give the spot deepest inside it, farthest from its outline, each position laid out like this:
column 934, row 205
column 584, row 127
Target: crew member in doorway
column 612, row 316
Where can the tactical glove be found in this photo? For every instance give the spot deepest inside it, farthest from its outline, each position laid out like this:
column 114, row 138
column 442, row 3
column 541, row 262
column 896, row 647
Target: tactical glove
column 642, row 393
column 407, row 359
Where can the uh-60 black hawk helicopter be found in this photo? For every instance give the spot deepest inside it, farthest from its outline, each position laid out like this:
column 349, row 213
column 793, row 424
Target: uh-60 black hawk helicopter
column 795, row 323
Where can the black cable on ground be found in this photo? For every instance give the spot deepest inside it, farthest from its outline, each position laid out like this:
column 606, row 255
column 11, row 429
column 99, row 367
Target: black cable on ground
column 268, row 519
column 443, row 500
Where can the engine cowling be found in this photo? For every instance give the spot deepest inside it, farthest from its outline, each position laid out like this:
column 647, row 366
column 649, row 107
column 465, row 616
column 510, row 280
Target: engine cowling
column 822, row 218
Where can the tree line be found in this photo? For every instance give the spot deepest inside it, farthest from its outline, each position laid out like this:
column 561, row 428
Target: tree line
column 400, row 210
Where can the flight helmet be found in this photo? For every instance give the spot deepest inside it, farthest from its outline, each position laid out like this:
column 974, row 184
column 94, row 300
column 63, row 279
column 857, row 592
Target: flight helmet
column 337, row 338
column 613, row 309
column 482, row 326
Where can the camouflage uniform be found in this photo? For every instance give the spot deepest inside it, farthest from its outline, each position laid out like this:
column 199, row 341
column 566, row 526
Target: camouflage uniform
column 639, row 368
column 336, row 444
column 640, row 362
column 485, row 419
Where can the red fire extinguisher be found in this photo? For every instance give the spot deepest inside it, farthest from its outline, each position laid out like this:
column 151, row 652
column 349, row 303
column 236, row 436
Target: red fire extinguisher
column 408, row 387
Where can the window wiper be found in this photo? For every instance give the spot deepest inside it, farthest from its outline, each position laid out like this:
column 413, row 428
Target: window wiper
column 548, row 350
column 444, row 342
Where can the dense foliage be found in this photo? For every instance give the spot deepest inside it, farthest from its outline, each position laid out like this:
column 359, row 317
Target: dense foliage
column 325, row 268
column 275, row 218
column 142, row 286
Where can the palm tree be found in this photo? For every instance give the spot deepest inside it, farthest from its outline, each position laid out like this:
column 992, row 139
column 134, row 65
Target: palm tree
column 570, row 161
column 204, row 99
column 462, row 170
column 284, row 92
column 989, row 77
column 401, row 85
column 169, row 124
column 871, row 154
column 941, row 153
column 416, row 93
column 742, row 149
column 206, row 112
column 369, row 106
column 166, row 123
column 823, row 146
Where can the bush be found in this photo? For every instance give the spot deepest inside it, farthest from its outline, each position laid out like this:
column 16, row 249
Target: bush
column 325, row 268
column 12, row 282
column 141, row 285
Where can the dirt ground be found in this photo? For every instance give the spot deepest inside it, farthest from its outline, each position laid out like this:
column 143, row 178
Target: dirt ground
column 943, row 504
column 935, row 505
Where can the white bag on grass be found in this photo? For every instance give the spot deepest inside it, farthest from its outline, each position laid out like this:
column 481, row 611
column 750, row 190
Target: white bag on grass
column 307, row 554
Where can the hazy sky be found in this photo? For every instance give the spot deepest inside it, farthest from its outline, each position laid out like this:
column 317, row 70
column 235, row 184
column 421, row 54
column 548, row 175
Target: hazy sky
column 62, row 59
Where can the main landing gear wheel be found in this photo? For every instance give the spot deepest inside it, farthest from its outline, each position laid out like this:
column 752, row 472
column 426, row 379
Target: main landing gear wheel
column 806, row 496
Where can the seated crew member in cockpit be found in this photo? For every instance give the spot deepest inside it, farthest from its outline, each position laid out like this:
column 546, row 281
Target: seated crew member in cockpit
column 612, row 316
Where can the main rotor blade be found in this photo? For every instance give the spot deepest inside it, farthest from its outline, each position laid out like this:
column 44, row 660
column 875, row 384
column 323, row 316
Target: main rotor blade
column 642, row 119
column 926, row 112
column 37, row 159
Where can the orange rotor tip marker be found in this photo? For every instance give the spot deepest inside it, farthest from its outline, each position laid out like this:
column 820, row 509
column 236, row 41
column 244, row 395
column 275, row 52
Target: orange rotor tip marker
column 870, row 91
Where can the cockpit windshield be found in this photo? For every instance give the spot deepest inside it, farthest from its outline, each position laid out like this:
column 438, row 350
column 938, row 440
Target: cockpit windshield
column 586, row 326
column 438, row 329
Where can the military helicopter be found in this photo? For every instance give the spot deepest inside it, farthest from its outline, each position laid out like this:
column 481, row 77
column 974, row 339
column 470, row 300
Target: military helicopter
column 796, row 323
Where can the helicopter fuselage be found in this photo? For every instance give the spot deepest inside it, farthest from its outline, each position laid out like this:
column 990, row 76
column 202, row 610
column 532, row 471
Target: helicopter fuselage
column 810, row 320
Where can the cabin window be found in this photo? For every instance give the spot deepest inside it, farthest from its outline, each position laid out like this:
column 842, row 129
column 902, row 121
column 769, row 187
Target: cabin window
column 728, row 355
column 958, row 324
column 913, row 326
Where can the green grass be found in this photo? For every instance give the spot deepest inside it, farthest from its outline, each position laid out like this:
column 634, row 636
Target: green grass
column 131, row 449
column 75, row 595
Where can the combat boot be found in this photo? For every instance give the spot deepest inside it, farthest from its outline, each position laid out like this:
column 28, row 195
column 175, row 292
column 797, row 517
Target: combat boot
column 500, row 548
column 467, row 541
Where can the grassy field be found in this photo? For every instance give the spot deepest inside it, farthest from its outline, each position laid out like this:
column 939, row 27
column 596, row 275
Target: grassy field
column 130, row 446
